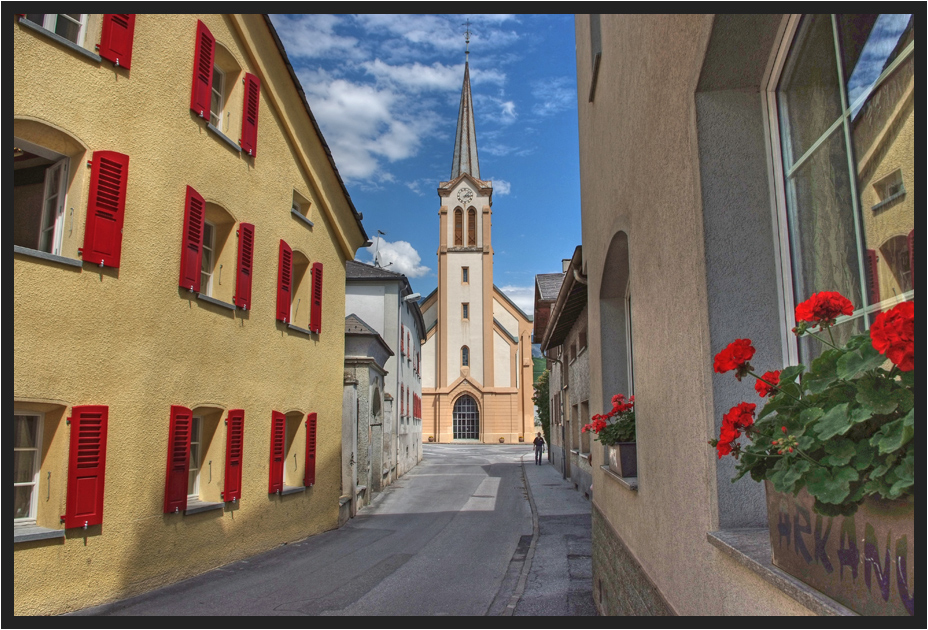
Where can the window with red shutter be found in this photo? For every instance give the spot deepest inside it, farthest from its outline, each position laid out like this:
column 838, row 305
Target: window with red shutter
column 315, row 321
column 203, row 58
column 86, row 466
column 249, row 140
column 235, row 437
column 873, row 276
column 192, row 244
column 175, row 485
column 278, row 441
column 284, row 282
column 309, row 477
column 116, row 40
column 106, row 208
column 246, row 245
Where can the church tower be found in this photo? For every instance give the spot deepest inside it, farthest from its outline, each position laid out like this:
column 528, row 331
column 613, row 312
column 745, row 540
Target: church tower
column 476, row 359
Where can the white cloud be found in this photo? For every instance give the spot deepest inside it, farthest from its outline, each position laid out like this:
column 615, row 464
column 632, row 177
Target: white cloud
column 417, row 76
column 500, row 186
column 313, row 36
column 523, row 297
column 399, row 256
column 553, row 95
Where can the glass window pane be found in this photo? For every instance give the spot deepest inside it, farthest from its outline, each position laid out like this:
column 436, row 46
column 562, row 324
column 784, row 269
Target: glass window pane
column 870, row 43
column 25, row 430
column 809, row 99
column 23, row 500
column 24, row 466
column 67, row 27
column 822, row 235
column 810, row 347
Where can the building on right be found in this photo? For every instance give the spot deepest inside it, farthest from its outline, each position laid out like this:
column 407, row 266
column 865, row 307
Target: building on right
column 731, row 166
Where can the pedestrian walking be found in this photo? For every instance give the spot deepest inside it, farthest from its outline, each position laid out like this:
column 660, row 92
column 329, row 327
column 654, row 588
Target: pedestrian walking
column 539, row 448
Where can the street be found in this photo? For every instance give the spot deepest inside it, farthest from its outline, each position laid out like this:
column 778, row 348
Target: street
column 454, row 536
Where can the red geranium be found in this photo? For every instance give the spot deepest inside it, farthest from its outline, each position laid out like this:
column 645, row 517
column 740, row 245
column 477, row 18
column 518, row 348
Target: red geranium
column 893, row 334
column 823, row 308
column 766, row 385
column 735, row 357
column 734, row 422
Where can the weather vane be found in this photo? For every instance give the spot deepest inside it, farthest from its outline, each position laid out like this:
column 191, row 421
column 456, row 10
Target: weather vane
column 466, row 39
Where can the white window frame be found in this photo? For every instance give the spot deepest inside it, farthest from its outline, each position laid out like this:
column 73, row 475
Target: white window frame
column 57, row 224
column 217, row 92
column 778, row 191
column 37, row 465
column 196, row 428
column 50, row 23
column 208, row 247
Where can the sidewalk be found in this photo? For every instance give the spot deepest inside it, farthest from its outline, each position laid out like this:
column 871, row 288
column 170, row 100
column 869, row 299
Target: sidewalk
column 560, row 575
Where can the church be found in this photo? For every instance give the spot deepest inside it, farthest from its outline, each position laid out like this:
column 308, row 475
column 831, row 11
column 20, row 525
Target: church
column 477, row 356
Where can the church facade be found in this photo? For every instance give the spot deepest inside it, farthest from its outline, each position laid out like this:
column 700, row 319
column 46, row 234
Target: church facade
column 477, row 356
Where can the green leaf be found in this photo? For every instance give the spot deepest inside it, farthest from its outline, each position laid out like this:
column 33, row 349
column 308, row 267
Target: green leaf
column 831, row 486
column 907, row 378
column 772, row 405
column 788, row 375
column 859, row 414
column 896, row 434
column 877, row 394
column 905, row 475
column 791, row 389
column 789, row 471
column 840, row 452
column 811, row 415
column 855, row 364
column 833, row 423
column 906, row 400
column 864, row 456
column 806, row 443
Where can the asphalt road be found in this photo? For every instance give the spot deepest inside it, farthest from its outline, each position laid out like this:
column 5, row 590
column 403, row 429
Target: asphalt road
column 447, row 539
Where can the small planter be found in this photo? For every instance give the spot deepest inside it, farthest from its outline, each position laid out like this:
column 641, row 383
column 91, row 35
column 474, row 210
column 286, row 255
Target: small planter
column 501, row 440
column 865, row 561
column 623, row 459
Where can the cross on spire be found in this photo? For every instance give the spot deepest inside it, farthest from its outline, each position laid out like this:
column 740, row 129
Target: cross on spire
column 466, row 39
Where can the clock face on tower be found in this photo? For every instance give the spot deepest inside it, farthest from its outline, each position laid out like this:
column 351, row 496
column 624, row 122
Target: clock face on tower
column 465, row 195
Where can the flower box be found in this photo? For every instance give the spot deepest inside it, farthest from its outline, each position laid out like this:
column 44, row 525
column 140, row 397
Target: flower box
column 623, row 459
column 865, row 561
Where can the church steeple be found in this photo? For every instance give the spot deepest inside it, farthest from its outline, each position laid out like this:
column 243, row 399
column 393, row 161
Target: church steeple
column 465, row 140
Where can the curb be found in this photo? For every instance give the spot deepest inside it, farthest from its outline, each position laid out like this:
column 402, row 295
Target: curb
column 527, row 565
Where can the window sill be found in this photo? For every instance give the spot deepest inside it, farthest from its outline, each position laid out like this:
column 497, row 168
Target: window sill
column 301, row 217
column 344, row 500
column 629, row 483
column 27, row 533
column 224, row 137
column 305, row 331
column 887, row 201
column 215, row 302
column 751, row 549
column 34, row 253
column 197, row 506
column 292, row 490
column 67, row 43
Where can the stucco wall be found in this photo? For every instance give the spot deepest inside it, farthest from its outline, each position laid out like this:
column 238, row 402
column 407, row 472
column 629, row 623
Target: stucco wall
column 133, row 340
column 646, row 98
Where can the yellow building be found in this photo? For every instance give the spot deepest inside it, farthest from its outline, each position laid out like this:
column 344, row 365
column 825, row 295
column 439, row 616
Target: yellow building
column 177, row 376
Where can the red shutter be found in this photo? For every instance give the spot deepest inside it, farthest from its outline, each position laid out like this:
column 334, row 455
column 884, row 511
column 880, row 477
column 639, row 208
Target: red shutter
column 402, row 342
column 192, row 244
column 912, row 257
column 202, row 94
column 309, row 478
column 315, row 319
column 246, row 246
column 175, row 486
column 235, row 435
column 86, row 466
column 278, row 443
column 873, row 276
column 106, row 208
column 116, row 40
column 284, row 281
column 249, row 141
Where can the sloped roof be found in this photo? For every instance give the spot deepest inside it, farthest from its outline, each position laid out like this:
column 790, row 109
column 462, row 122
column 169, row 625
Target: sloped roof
column 465, row 140
column 357, row 326
column 549, row 284
column 355, row 270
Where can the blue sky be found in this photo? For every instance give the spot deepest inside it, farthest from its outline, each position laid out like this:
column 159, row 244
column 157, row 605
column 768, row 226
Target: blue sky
column 385, row 90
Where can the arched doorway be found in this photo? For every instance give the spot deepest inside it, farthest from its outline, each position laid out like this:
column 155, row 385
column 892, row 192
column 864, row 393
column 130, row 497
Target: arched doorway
column 466, row 419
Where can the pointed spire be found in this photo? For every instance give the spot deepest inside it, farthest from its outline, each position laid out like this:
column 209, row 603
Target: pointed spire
column 465, row 140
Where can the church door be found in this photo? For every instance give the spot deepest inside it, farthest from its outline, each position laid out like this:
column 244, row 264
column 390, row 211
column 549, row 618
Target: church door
column 466, row 419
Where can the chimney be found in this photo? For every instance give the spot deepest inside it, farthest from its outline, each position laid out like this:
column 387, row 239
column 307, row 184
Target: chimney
column 565, row 264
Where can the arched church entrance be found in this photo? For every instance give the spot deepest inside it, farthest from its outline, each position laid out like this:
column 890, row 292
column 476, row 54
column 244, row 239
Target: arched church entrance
column 466, row 419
